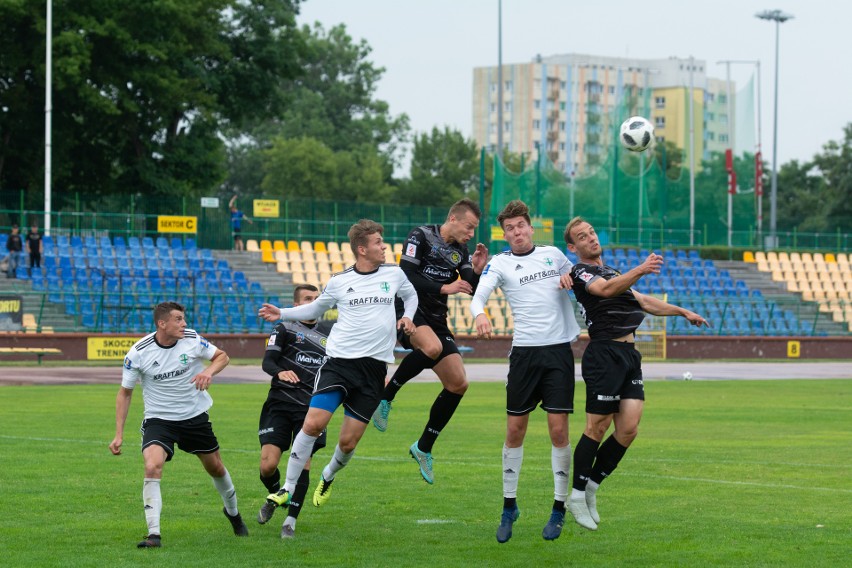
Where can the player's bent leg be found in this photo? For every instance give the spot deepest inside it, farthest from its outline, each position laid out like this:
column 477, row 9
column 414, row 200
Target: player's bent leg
column 270, row 457
column 425, row 340
column 627, row 420
column 450, row 371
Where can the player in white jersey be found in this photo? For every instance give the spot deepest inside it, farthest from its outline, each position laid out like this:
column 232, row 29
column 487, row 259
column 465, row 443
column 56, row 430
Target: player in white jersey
column 174, row 389
column 359, row 348
column 541, row 363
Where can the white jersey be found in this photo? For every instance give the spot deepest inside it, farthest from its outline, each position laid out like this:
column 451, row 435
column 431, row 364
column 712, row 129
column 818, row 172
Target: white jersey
column 165, row 374
column 542, row 310
column 366, row 316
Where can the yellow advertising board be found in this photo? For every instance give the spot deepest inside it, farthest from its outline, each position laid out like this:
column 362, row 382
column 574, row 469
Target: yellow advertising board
column 109, row 348
column 175, row 224
column 266, row 208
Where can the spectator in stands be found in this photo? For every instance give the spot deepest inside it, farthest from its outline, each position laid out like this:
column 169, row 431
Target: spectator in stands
column 611, row 365
column 14, row 246
column 237, row 218
column 35, row 246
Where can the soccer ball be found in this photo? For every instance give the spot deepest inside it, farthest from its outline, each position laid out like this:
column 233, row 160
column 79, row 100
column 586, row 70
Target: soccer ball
column 687, row 376
column 637, row 133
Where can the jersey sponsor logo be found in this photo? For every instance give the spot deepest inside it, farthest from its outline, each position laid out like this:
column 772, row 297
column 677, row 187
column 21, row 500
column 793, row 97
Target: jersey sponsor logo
column 413, row 239
column 384, row 287
column 170, row 374
column 271, row 340
column 370, row 300
column 609, row 398
column 204, row 343
column 184, row 360
column 437, row 272
column 637, row 382
column 128, row 364
column 263, row 431
column 536, row 276
column 585, row 276
column 410, row 249
column 310, row 359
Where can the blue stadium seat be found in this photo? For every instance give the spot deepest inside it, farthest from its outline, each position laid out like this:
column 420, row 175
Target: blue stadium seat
column 76, row 242
column 189, row 244
column 147, row 242
column 119, row 241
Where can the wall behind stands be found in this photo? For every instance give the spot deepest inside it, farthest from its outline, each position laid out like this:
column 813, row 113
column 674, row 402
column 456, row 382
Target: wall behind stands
column 75, row 346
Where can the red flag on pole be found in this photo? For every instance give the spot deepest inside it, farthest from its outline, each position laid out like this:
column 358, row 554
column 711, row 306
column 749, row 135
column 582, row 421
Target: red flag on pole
column 732, row 175
column 758, row 174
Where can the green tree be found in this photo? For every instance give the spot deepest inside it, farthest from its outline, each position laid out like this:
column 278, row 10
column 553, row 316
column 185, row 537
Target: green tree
column 444, row 168
column 141, row 88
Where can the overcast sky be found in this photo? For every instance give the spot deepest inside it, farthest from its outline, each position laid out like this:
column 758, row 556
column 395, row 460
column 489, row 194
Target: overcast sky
column 430, row 47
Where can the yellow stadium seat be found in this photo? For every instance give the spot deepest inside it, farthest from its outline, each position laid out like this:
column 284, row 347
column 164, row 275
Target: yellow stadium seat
column 830, row 258
column 279, row 245
column 265, row 245
column 251, row 245
column 319, row 246
column 748, row 256
column 267, row 256
column 292, row 245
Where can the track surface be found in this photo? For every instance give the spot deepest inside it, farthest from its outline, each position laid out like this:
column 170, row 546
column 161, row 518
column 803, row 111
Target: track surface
column 701, row 371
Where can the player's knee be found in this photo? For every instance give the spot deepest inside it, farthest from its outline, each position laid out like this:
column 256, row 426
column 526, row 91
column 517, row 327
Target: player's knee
column 153, row 470
column 433, row 351
column 458, row 387
column 626, row 436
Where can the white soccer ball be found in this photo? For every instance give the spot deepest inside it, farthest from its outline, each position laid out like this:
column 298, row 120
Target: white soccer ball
column 637, row 134
column 687, row 376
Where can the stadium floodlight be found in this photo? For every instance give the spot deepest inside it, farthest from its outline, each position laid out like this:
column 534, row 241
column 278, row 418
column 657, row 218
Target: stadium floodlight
column 779, row 18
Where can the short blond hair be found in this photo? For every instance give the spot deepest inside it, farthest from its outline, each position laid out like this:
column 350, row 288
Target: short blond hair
column 571, row 224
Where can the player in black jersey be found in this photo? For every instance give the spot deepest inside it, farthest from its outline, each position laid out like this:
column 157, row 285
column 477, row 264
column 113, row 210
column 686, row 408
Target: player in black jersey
column 611, row 364
column 433, row 258
column 294, row 352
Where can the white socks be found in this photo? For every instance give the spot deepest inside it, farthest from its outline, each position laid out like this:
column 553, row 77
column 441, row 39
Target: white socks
column 512, row 460
column 560, row 461
column 225, row 487
column 300, row 453
column 338, row 462
column 153, row 504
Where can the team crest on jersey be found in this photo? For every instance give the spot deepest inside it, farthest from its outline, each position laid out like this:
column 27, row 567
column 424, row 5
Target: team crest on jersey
column 385, row 287
column 455, row 257
column 184, row 360
column 548, row 261
column 300, row 337
column 128, row 364
column 323, row 341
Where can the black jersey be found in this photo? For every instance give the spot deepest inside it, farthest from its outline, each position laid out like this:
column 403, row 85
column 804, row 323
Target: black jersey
column 298, row 347
column 606, row 318
column 430, row 262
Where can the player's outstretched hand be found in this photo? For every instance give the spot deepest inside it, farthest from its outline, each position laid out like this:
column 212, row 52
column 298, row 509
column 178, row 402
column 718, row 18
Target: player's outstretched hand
column 479, row 258
column 269, row 312
column 652, row 264
column 407, row 326
column 483, row 326
column 115, row 445
column 695, row 319
column 566, row 282
column 456, row 287
column 202, row 381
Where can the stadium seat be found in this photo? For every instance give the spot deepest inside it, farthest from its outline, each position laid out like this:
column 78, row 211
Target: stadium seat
column 265, row 245
column 267, row 256
column 748, row 256
column 252, row 246
column 293, row 246
column 319, row 246
column 278, row 245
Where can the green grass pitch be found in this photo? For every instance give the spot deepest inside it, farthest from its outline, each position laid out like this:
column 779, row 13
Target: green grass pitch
column 733, row 473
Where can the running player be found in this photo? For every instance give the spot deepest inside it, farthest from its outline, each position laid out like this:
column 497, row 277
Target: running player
column 433, row 258
column 541, row 362
column 168, row 364
column 359, row 348
column 294, row 353
column 612, row 367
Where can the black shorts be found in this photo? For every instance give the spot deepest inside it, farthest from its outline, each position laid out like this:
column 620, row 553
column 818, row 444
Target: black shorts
column 540, row 374
column 361, row 380
column 280, row 421
column 194, row 436
column 612, row 371
column 445, row 336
